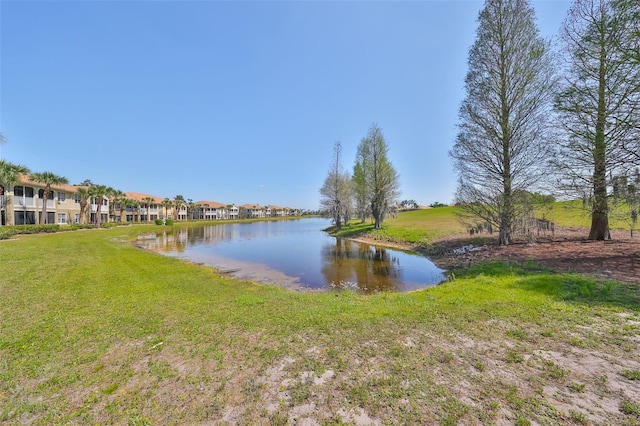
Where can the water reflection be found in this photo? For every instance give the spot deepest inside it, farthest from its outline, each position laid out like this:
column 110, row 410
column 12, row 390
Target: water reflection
column 349, row 264
column 296, row 254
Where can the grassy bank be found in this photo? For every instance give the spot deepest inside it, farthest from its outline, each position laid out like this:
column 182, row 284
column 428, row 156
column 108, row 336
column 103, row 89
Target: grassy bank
column 96, row 331
column 422, row 227
column 416, row 227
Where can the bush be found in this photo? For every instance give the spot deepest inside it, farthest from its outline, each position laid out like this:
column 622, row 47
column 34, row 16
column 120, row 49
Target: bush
column 76, row 226
column 164, row 222
column 7, row 232
column 109, row 224
column 36, row 229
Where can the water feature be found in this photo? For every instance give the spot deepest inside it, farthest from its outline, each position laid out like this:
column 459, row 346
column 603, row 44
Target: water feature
column 296, row 254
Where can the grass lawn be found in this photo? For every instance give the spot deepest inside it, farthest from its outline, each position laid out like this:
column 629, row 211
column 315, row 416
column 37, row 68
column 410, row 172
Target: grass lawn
column 96, row 331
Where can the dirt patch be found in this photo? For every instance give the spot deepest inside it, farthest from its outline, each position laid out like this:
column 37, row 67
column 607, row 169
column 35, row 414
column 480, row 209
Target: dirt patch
column 567, row 250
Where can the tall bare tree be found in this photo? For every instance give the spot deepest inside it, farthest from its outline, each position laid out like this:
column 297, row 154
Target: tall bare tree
column 336, row 190
column 599, row 102
column 375, row 177
column 504, row 131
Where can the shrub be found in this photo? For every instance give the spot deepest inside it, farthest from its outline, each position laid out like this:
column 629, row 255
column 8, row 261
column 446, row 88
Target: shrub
column 36, row 229
column 109, row 224
column 168, row 222
column 6, row 232
column 76, row 226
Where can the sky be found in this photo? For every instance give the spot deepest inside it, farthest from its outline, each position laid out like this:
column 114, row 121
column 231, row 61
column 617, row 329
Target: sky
column 236, row 101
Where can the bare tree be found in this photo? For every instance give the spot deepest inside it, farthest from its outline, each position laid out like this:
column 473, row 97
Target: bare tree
column 504, row 132
column 599, row 102
column 336, row 190
column 377, row 179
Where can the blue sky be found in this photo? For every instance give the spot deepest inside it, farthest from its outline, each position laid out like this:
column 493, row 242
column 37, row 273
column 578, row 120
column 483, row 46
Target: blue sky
column 236, row 102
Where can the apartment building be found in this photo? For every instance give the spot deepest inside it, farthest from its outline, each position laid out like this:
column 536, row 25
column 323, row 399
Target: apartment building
column 22, row 204
column 213, row 210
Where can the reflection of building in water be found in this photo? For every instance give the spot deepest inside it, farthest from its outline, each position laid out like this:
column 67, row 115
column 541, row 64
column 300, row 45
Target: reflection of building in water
column 177, row 239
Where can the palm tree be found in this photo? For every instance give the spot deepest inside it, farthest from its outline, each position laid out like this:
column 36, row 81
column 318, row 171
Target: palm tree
column 48, row 179
column 120, row 199
column 84, row 195
column 98, row 192
column 135, row 209
column 9, row 176
column 111, row 196
column 178, row 202
column 147, row 205
column 166, row 203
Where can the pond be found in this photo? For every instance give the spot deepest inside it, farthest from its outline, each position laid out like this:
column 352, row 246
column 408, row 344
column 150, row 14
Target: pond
column 296, row 254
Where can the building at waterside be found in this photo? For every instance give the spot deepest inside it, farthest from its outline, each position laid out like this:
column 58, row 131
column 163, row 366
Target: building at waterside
column 22, row 204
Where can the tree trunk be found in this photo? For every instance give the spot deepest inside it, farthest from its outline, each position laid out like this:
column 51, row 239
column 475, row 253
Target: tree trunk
column 98, row 214
column 43, row 214
column 599, row 226
column 600, row 214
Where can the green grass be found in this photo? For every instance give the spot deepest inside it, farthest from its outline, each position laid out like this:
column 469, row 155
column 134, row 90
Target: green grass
column 420, row 228
column 96, row 331
column 416, row 227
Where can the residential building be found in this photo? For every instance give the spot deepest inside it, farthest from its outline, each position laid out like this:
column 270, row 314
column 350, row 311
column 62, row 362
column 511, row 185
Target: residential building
column 22, row 204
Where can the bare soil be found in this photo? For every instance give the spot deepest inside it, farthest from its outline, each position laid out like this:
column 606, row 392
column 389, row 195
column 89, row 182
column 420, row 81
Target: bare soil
column 566, row 250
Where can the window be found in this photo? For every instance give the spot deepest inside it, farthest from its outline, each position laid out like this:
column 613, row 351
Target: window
column 77, row 198
column 23, row 191
column 62, row 218
column 41, row 194
column 62, row 196
column 76, row 219
column 24, row 218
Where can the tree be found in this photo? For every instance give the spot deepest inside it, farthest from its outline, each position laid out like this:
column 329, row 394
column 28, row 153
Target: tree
column 503, row 132
column 599, row 102
column 98, row 192
column 377, row 178
column 336, row 190
column 191, row 209
column 9, row 176
column 84, row 195
column 48, row 179
column 135, row 209
column 360, row 190
column 626, row 198
column 147, row 205
column 166, row 204
column 409, row 204
column 118, row 197
column 112, row 194
column 178, row 203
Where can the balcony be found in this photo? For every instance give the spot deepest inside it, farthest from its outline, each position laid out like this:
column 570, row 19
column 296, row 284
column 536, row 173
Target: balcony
column 23, row 202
